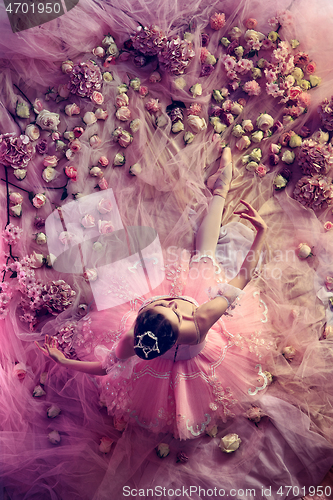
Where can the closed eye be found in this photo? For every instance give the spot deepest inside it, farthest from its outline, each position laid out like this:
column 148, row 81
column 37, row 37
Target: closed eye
column 164, row 305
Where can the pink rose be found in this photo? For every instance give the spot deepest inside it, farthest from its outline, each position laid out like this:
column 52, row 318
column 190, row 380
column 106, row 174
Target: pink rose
column 95, row 141
column 123, row 114
column 103, row 161
column 90, row 275
column 105, row 227
column 275, row 148
column 54, row 437
column 329, row 283
column 294, row 92
column 66, row 237
column 33, row 132
column 39, row 200
column 328, row 225
column 20, row 371
column 98, row 52
column 72, row 109
column 105, row 445
column 143, row 91
column 104, row 206
column 47, row 120
column 88, row 221
column 36, row 260
column 119, row 424
column 67, row 67
column 50, row 161
column 101, row 114
column 75, row 145
column 261, row 170
column 64, row 91
column 55, row 136
column 310, row 68
column 97, row 98
column 71, row 173
column 78, row 131
column 251, row 23
column 153, row 106
column 16, row 198
column 122, row 100
column 125, row 139
column 38, row 106
column 103, row 184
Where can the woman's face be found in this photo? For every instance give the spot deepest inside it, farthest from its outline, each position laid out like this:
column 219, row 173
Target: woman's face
column 169, row 309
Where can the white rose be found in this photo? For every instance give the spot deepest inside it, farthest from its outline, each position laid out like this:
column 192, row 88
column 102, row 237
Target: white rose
column 252, row 166
column 217, row 96
column 20, row 173
column 135, row 169
column 236, row 108
column 230, row 443
column 122, row 89
column 210, row 59
column 161, row 121
column 49, row 173
column 196, row 89
column 303, row 251
column 220, row 127
column 243, row 143
column 135, row 125
column 213, row 431
column 53, row 411
column 162, row 450
column 237, row 131
column 288, row 156
column 188, row 137
column 265, row 121
column 16, row 210
column 255, row 155
column 119, row 160
column 47, row 120
column 280, row 182
column 41, row 238
column 38, row 392
column 295, row 141
column 178, row 126
column 32, row 132
column 253, row 35
column 89, row 118
column 96, row 172
column 54, row 437
column 196, row 123
column 257, row 136
column 247, row 125
column 135, row 83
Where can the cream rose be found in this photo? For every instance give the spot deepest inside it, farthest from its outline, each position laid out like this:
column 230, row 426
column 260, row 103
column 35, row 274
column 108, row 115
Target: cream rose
column 237, row 131
column 101, row 114
column 288, row 156
column 162, row 450
column 89, row 118
column 196, row 123
column 41, row 238
column 177, row 127
column 243, row 143
column 135, row 169
column 105, row 227
column 230, row 443
column 20, row 173
column 265, row 122
column 47, row 120
column 135, row 125
column 213, row 431
column 257, row 136
column 96, row 172
column 304, row 251
column 95, row 141
column 119, row 160
column 196, row 89
column 32, row 131
column 72, row 109
column 36, row 260
column 247, row 125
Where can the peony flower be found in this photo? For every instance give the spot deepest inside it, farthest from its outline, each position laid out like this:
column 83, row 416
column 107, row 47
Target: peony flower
column 88, row 221
column 96, row 172
column 38, row 392
column 229, row 443
column 53, row 411
column 90, row 275
column 104, row 206
column 196, row 89
column 36, row 260
column 212, row 432
column 105, row 227
column 105, row 444
column 20, row 371
column 162, row 450
column 289, row 352
column 119, row 160
column 72, row 109
column 123, row 114
column 54, row 437
column 264, row 121
column 32, row 132
column 47, row 120
column 254, row 414
column 89, row 118
column 135, row 169
column 304, row 251
column 71, row 172
column 217, row 21
column 95, row 141
column 196, row 123
column 101, row 114
column 85, row 78
column 102, row 183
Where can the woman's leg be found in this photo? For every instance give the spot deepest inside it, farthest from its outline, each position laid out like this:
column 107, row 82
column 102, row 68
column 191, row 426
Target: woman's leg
column 209, row 229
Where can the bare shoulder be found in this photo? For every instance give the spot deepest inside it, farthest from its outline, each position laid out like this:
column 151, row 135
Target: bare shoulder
column 125, row 347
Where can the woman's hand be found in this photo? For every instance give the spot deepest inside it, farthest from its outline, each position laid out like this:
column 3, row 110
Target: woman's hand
column 252, row 216
column 51, row 350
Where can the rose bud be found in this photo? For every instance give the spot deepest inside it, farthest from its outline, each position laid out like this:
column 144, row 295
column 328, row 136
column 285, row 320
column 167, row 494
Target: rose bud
column 280, row 182
column 97, row 246
column 20, row 173
column 41, row 238
column 103, row 184
column 90, row 275
column 65, row 237
column 135, row 169
column 67, row 67
column 119, row 160
column 107, row 76
column 36, row 260
column 303, row 251
column 289, row 352
column 42, row 378
column 213, row 431
column 182, row 457
column 89, row 118
column 98, row 52
column 39, row 222
column 54, row 437
column 72, row 109
column 105, row 445
column 16, row 198
column 254, row 413
column 88, row 221
column 20, row 371
column 78, row 131
column 82, row 309
column 15, row 210
column 229, row 443
column 71, row 173
column 101, row 114
column 328, row 225
column 119, row 424
column 103, row 161
column 38, row 106
column 95, row 141
column 39, row 200
column 135, row 125
column 105, row 227
column 162, row 450
column 188, row 137
column 53, row 411
column 122, row 100
column 38, row 392
column 22, row 110
column 96, row 172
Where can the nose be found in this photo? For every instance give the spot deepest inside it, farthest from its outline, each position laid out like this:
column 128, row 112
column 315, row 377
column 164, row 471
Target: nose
column 173, row 304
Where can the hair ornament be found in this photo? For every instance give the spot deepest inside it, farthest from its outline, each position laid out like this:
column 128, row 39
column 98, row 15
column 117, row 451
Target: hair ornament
column 147, row 349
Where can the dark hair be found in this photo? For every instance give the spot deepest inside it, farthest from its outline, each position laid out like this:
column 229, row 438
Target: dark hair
column 155, row 333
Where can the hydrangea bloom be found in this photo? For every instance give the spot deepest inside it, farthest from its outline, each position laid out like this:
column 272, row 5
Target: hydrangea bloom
column 315, row 158
column 314, row 192
column 85, row 78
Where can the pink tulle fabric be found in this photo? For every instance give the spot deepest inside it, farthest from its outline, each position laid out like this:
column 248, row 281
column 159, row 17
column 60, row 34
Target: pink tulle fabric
column 286, row 307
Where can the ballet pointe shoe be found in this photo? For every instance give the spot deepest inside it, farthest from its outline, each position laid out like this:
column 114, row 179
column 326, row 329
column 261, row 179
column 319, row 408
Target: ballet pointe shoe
column 219, row 182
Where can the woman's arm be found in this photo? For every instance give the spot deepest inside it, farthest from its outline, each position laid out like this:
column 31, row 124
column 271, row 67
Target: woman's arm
column 125, row 347
column 210, row 312
column 50, row 349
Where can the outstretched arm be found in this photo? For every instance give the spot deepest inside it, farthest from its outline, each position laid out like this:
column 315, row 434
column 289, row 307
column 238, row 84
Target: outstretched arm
column 211, row 311
column 51, row 350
